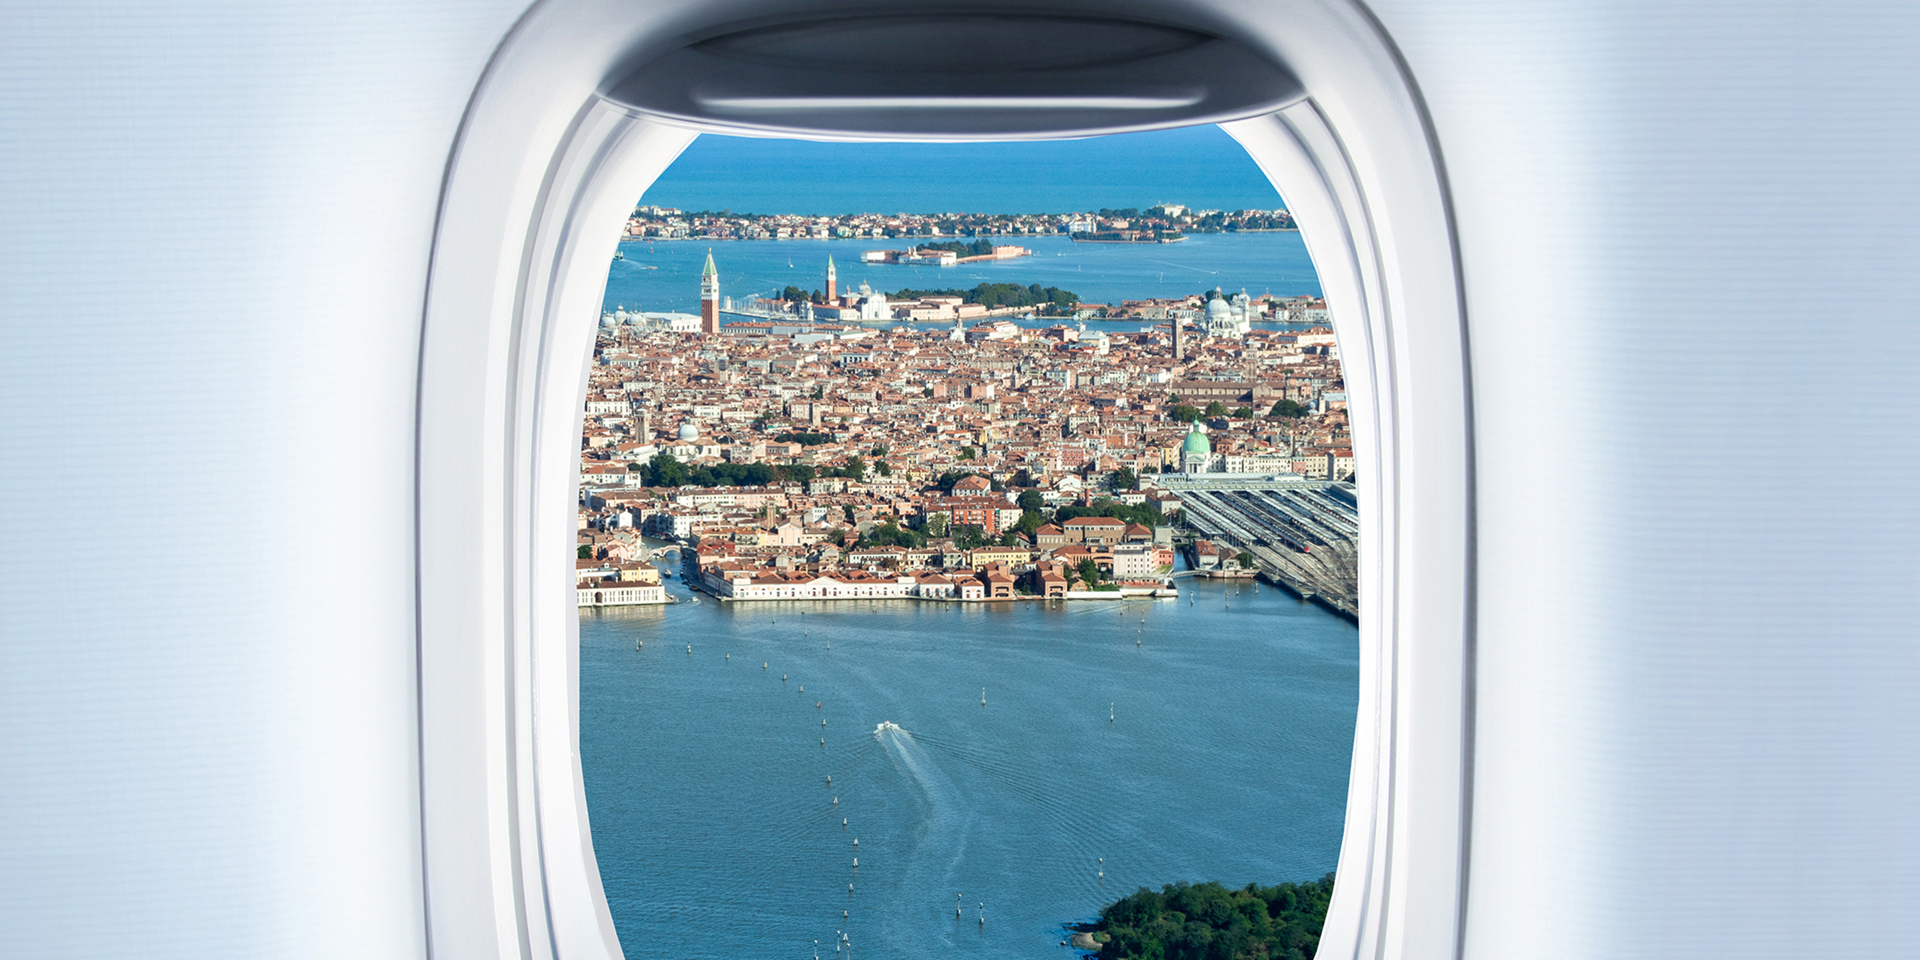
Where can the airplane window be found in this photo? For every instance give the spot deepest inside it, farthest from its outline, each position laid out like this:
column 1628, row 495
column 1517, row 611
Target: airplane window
column 967, row 542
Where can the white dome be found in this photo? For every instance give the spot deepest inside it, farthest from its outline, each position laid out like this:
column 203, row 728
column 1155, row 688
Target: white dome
column 1218, row 308
column 688, row 431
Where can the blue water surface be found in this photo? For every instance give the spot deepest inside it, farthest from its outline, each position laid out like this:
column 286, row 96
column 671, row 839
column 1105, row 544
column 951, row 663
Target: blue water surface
column 719, row 834
column 1201, row 167
column 665, row 275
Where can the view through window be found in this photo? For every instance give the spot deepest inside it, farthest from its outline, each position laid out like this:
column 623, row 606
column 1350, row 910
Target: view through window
column 966, row 543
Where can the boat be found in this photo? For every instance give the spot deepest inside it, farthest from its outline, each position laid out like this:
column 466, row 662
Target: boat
column 619, row 254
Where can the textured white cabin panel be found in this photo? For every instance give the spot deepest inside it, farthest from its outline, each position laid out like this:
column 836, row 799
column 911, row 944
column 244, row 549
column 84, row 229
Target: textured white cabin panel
column 217, row 223
column 1689, row 236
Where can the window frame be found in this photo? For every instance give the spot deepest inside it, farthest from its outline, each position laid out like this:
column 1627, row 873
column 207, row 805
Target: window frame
column 536, row 191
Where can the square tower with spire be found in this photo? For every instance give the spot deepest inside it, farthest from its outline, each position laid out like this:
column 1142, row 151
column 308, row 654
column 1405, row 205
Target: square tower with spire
column 710, row 298
column 831, row 280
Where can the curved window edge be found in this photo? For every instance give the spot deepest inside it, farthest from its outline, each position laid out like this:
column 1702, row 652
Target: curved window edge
column 536, row 192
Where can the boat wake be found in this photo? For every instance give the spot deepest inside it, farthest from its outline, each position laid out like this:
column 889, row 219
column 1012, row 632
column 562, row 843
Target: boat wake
column 940, row 834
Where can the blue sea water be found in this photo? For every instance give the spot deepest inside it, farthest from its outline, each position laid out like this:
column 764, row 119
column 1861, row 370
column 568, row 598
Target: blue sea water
column 665, row 275
column 1201, row 167
column 719, row 834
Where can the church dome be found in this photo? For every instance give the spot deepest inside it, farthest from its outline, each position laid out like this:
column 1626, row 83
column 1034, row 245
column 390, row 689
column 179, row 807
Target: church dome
column 688, row 431
column 1196, row 441
column 1218, row 308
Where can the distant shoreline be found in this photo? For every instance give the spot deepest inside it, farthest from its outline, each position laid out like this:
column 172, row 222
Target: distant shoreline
column 1010, row 237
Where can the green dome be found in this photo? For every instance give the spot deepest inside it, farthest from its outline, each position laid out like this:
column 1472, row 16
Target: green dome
column 1196, row 442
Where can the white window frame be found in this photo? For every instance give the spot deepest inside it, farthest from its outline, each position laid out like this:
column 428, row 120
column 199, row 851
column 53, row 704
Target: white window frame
column 535, row 200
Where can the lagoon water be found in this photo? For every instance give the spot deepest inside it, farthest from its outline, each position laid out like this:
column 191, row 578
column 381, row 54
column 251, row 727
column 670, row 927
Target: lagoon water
column 1201, row 167
column 718, row 833
column 665, row 274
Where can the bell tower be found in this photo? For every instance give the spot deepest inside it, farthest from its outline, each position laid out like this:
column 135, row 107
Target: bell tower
column 710, row 298
column 831, row 295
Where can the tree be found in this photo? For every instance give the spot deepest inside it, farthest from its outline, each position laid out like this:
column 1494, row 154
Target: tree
column 585, row 552
column 946, row 480
column 857, row 468
column 819, row 392
column 936, row 525
column 1089, row 571
column 1146, row 514
column 1247, row 560
column 967, row 453
column 1000, row 295
column 969, row 536
column 666, row 470
column 1032, row 501
column 1242, row 413
column 1216, row 409
column 1206, row 920
column 890, row 534
column 1186, row 414
column 1284, row 407
column 846, row 510
column 880, row 467
column 1123, row 479
column 879, row 450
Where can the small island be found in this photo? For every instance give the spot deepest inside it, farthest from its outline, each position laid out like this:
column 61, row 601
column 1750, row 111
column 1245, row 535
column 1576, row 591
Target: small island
column 1207, row 921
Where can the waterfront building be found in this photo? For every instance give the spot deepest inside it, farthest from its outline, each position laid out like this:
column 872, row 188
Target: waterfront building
column 1229, row 317
column 1138, row 561
column 619, row 593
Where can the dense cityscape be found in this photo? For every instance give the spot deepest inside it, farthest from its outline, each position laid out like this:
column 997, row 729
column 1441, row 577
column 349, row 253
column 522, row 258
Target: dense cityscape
column 1170, row 219
column 823, row 448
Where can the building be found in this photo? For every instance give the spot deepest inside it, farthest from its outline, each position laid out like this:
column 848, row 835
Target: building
column 1196, row 451
column 1141, row 561
column 619, row 593
column 1229, row 318
column 832, row 281
column 710, row 298
column 1094, row 530
column 1231, row 392
column 974, row 486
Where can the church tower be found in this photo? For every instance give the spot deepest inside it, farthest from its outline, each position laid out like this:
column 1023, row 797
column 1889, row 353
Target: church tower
column 710, row 298
column 831, row 295
column 1179, row 351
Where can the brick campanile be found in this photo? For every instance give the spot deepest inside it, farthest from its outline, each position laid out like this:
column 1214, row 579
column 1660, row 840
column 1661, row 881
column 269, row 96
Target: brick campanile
column 831, row 295
column 710, row 298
